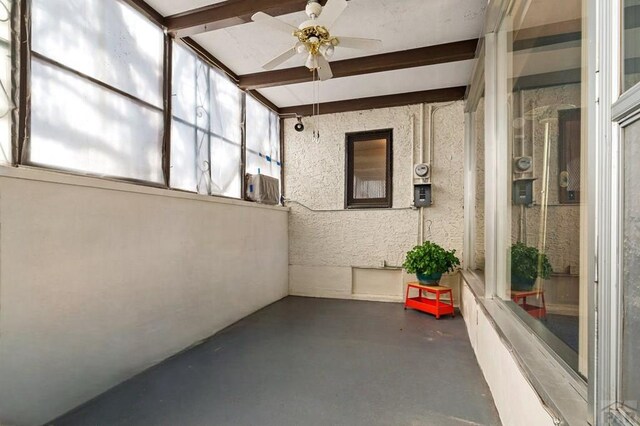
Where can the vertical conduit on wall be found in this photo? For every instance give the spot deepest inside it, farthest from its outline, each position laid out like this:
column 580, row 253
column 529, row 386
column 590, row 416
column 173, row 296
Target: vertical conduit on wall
column 422, row 159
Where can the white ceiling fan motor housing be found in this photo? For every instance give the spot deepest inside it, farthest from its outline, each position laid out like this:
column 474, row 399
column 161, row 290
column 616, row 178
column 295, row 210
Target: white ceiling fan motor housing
column 313, row 9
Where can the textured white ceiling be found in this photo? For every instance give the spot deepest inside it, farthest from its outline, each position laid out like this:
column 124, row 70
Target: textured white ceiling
column 379, row 84
column 400, row 24
column 171, row 7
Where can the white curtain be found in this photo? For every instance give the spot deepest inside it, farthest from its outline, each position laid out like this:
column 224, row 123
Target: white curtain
column 363, row 189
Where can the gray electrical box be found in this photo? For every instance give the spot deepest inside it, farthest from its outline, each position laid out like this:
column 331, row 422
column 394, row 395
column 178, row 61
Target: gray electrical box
column 422, row 195
column 523, row 191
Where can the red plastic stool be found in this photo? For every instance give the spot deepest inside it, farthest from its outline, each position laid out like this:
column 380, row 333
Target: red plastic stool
column 435, row 306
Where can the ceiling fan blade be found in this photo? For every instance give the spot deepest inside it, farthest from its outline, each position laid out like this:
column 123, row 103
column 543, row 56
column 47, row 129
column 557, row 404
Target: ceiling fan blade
column 273, row 23
column 324, row 69
column 331, row 12
column 288, row 54
column 359, row 43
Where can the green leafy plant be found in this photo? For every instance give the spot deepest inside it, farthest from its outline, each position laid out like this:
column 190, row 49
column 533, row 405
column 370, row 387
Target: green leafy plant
column 429, row 258
column 528, row 263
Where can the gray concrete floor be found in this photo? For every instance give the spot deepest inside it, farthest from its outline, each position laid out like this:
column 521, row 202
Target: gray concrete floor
column 304, row 361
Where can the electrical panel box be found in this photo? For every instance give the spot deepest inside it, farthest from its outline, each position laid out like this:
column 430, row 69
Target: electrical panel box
column 422, row 195
column 262, row 189
column 523, row 191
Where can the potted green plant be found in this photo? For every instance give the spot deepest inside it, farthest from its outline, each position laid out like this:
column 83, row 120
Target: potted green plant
column 527, row 264
column 429, row 261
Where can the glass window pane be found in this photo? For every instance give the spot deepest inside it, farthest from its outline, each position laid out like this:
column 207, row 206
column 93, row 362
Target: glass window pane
column 184, row 84
column 77, row 125
column 226, row 107
column 225, row 167
column 107, row 40
column 263, row 139
column 541, row 56
column 370, row 169
column 631, row 288
column 6, row 105
column 183, row 157
column 631, row 43
column 203, row 100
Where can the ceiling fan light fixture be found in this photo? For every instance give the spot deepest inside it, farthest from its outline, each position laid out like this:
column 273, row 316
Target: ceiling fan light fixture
column 327, row 50
column 312, row 62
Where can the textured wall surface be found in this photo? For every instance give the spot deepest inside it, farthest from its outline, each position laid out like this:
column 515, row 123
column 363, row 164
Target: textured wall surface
column 332, row 237
column 479, row 222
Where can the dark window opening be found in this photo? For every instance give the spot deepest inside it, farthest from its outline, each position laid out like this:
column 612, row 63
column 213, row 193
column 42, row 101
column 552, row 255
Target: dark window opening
column 369, row 169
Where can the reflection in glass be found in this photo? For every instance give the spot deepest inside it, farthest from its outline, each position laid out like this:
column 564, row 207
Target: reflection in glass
column 369, row 169
column 542, row 59
column 631, row 43
column 478, row 255
column 631, row 288
column 6, row 105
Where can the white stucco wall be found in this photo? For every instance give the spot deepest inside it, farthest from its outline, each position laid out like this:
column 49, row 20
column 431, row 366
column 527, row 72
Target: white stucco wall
column 326, row 244
column 99, row 282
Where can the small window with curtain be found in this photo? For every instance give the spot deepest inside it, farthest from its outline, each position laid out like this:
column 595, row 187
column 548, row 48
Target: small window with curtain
column 369, row 169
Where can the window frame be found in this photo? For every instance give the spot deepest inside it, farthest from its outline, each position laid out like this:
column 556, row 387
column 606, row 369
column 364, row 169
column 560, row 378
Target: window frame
column 20, row 121
column 349, row 201
column 23, row 56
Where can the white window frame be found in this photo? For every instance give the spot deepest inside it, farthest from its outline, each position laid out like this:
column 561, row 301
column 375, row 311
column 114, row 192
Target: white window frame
column 497, row 190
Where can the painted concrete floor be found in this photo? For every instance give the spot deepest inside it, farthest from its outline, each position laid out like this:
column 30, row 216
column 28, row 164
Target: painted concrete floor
column 304, row 361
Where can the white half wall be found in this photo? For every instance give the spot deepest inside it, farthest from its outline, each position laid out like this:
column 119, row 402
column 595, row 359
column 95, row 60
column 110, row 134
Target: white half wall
column 516, row 400
column 101, row 280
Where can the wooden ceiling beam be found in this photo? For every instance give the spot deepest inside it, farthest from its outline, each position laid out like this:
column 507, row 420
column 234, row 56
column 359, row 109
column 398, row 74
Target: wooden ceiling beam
column 227, row 14
column 430, row 55
column 427, row 96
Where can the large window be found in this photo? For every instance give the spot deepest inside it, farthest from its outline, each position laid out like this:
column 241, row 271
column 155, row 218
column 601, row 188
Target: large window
column 263, row 140
column 95, row 102
column 478, row 248
column 206, row 132
column 629, row 311
column 541, row 121
column 96, row 89
column 368, row 179
column 631, row 43
column 630, row 377
column 6, row 105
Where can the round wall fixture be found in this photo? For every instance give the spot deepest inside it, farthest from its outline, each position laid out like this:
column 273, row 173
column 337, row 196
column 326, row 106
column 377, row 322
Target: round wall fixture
column 421, row 170
column 523, row 164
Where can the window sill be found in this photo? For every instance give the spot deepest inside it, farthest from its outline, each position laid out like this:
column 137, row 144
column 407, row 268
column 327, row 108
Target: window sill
column 560, row 390
column 49, row 176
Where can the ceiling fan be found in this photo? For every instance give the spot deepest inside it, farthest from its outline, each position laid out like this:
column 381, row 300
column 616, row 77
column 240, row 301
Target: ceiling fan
column 314, row 38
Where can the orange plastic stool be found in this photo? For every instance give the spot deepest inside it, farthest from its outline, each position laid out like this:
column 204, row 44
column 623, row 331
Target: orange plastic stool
column 435, row 306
